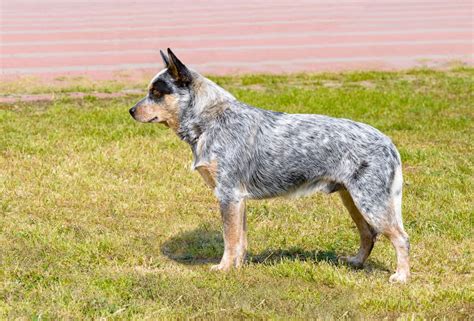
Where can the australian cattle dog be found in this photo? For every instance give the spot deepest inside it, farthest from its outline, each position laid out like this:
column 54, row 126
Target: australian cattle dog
column 243, row 152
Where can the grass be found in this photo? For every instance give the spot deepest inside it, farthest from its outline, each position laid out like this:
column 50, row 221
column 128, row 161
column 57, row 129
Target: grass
column 100, row 216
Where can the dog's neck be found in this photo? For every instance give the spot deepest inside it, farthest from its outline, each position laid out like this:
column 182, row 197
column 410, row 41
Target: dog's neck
column 206, row 102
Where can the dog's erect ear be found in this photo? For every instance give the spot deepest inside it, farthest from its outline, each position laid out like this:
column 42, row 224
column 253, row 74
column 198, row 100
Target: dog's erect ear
column 165, row 59
column 177, row 69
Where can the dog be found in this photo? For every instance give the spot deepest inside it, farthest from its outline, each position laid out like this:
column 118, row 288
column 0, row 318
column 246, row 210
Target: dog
column 243, row 152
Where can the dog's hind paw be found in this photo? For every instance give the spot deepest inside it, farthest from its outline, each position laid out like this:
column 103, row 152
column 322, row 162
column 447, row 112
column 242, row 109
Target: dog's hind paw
column 352, row 261
column 398, row 278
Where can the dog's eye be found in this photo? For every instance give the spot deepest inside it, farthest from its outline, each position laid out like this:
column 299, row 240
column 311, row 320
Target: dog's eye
column 156, row 93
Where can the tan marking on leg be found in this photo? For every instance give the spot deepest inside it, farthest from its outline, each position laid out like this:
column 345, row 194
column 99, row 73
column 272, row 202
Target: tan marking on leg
column 209, row 173
column 235, row 238
column 243, row 236
column 401, row 243
column 367, row 236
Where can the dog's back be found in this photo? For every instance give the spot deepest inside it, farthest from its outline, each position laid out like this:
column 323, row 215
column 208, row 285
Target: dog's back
column 274, row 154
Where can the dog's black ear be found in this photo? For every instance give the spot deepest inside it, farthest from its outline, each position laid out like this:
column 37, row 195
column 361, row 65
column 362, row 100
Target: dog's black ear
column 165, row 59
column 178, row 70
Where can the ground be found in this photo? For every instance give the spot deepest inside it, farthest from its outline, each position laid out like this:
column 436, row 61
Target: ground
column 101, row 216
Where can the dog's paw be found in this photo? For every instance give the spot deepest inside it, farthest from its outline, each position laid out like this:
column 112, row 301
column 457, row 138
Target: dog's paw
column 352, row 261
column 398, row 278
column 220, row 267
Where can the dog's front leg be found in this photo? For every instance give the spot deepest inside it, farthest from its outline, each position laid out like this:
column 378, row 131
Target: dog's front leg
column 235, row 235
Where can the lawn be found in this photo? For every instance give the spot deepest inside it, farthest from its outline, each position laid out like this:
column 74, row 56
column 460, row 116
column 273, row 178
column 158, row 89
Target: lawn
column 101, row 216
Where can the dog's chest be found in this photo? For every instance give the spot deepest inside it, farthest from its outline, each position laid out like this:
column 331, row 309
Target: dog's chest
column 208, row 171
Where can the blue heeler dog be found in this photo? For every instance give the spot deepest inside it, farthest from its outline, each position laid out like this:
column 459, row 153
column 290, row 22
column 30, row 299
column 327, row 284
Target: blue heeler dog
column 246, row 152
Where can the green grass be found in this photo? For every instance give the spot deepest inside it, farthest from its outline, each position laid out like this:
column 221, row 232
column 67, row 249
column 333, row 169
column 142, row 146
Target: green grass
column 100, row 216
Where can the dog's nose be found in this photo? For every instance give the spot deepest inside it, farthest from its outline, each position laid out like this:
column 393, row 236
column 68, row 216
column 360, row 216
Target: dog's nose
column 132, row 111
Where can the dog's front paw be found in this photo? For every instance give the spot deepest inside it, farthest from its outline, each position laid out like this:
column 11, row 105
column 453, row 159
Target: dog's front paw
column 398, row 278
column 220, row 267
column 352, row 261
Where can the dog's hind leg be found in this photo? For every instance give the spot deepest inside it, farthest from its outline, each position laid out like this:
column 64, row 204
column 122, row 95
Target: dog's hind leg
column 379, row 202
column 367, row 234
column 400, row 242
column 235, row 236
column 395, row 231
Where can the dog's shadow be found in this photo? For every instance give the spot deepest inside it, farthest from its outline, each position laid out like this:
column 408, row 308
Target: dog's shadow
column 203, row 245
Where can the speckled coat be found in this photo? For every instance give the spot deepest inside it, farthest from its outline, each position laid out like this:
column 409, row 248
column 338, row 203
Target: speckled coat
column 245, row 152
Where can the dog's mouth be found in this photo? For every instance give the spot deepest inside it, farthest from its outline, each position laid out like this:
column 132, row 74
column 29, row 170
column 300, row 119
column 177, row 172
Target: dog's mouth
column 154, row 120
column 157, row 120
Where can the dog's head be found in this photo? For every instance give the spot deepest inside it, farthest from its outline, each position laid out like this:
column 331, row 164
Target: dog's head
column 168, row 93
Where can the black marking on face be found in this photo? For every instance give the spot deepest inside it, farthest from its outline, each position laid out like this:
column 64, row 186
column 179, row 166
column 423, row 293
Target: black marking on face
column 159, row 88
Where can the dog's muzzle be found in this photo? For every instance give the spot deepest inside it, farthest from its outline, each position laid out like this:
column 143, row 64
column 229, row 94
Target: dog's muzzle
column 133, row 110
